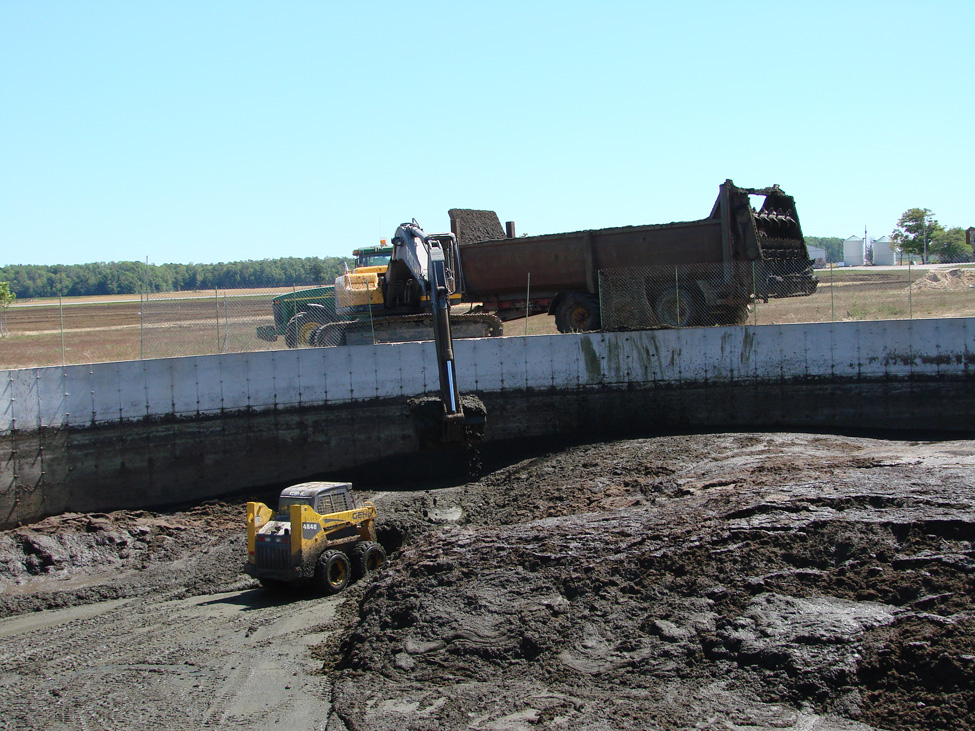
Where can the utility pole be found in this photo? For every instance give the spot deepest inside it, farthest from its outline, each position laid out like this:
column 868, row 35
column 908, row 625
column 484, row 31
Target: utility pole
column 924, row 259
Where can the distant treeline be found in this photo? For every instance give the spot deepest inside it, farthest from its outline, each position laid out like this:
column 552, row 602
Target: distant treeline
column 133, row 277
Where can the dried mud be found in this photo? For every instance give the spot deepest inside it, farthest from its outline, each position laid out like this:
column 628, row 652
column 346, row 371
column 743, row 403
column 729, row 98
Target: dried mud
column 729, row 581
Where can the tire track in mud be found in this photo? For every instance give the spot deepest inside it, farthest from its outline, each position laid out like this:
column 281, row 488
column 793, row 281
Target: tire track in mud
column 231, row 661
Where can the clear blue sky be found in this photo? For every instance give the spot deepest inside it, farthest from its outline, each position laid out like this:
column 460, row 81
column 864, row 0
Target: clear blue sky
column 212, row 131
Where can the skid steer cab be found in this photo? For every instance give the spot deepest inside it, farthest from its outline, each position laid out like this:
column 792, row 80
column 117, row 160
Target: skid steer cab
column 318, row 536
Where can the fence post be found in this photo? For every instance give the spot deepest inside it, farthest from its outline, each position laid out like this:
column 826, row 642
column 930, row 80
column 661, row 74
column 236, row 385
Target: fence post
column 528, row 292
column 754, row 290
column 216, row 315
column 61, row 309
column 142, row 312
column 372, row 323
column 677, row 289
column 226, row 327
column 832, row 289
column 910, row 293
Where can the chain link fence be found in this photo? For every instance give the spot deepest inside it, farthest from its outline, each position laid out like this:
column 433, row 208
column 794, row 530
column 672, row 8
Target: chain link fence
column 92, row 330
column 771, row 293
column 230, row 321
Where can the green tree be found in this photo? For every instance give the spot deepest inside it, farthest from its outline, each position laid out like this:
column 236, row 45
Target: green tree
column 949, row 245
column 917, row 230
column 6, row 298
column 832, row 244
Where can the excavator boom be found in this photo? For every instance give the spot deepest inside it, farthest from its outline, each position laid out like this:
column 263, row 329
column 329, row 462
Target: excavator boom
column 428, row 258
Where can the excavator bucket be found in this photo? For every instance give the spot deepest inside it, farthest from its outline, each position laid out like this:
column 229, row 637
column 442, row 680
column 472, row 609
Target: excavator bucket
column 436, row 429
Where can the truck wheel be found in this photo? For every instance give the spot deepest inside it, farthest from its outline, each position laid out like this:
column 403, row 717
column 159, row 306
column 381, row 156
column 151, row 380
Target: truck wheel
column 331, row 335
column 677, row 309
column 332, row 572
column 737, row 315
column 577, row 312
column 298, row 329
column 367, row 556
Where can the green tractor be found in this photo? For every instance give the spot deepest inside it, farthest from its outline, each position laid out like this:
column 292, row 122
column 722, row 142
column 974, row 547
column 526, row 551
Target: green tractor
column 297, row 314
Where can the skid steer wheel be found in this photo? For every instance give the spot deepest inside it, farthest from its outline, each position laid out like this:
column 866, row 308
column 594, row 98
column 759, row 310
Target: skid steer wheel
column 367, row 556
column 332, row 572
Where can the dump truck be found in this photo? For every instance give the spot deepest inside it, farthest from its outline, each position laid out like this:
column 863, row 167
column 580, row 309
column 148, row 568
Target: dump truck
column 318, row 536
column 705, row 272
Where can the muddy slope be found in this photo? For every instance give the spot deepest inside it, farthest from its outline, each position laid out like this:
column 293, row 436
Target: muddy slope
column 742, row 581
column 747, row 581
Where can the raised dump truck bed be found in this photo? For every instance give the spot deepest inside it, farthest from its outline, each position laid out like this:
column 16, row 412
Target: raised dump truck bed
column 717, row 265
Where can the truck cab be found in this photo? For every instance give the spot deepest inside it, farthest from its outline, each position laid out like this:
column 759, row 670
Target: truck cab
column 359, row 292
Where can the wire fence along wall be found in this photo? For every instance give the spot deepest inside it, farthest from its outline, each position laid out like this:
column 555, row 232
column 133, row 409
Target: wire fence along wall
column 758, row 294
column 232, row 321
column 159, row 326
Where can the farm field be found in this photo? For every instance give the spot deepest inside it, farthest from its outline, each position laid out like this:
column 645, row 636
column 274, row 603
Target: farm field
column 92, row 330
column 124, row 328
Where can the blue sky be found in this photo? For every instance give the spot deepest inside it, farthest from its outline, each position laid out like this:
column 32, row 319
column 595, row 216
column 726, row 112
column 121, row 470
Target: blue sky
column 219, row 131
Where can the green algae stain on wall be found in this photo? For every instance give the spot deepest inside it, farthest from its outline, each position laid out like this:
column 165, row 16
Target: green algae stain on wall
column 594, row 369
column 747, row 343
column 616, row 360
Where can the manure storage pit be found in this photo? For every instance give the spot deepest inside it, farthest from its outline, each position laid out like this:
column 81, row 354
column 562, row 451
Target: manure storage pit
column 737, row 580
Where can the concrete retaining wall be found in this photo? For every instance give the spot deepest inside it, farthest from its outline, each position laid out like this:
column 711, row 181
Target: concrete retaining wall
column 143, row 433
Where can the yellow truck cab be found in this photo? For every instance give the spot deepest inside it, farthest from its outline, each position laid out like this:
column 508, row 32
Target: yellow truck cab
column 358, row 291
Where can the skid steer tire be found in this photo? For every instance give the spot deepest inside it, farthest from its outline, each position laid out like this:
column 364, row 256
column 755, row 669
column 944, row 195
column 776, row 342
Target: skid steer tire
column 332, row 572
column 367, row 556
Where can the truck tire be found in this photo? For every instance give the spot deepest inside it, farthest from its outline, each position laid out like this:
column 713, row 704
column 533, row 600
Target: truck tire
column 577, row 312
column 291, row 330
column 332, row 572
column 297, row 332
column 737, row 315
column 331, row 335
column 674, row 308
column 367, row 556
column 298, row 329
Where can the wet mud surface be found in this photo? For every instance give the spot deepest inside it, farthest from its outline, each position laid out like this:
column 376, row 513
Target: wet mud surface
column 736, row 581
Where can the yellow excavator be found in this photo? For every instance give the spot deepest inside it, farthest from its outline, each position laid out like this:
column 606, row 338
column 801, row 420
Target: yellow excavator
column 389, row 296
column 408, row 299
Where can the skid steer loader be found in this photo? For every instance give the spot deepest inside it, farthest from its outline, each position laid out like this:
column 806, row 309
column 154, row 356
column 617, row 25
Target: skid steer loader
column 317, row 536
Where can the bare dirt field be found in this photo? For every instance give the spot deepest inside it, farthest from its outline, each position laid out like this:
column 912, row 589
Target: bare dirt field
column 94, row 331
column 100, row 329
column 735, row 581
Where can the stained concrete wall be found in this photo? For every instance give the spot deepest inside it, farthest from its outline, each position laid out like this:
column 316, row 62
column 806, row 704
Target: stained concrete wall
column 144, row 433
